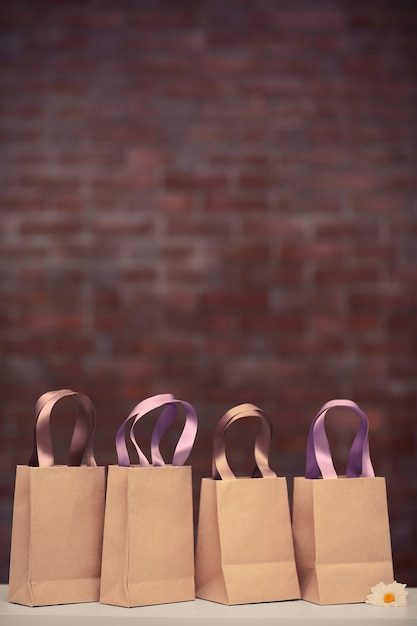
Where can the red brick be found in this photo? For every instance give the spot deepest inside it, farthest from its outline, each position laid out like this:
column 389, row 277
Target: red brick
column 50, row 227
column 175, row 202
column 237, row 203
column 234, row 299
column 257, row 181
column 185, row 181
column 116, row 225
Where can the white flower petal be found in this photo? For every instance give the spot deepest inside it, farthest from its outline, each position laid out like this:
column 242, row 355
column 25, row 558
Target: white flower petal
column 379, row 591
column 379, row 588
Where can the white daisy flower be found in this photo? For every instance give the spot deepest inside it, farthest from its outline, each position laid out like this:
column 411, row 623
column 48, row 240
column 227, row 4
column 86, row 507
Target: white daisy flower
column 393, row 594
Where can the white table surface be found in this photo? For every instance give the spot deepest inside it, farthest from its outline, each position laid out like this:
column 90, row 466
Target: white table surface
column 292, row 613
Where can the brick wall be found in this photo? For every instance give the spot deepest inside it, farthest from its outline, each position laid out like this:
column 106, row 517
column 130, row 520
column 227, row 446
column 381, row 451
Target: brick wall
column 216, row 199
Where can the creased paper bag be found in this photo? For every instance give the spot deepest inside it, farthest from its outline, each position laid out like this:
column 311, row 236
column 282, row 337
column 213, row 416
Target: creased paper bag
column 245, row 549
column 58, row 515
column 148, row 545
column 340, row 524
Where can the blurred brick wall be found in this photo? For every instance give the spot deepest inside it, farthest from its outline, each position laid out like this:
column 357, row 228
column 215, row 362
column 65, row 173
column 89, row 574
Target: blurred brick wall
column 215, row 199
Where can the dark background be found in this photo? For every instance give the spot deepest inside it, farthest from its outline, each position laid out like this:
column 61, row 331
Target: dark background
column 216, row 199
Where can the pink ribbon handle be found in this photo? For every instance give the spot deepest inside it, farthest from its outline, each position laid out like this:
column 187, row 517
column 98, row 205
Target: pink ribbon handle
column 319, row 459
column 220, row 466
column 81, row 446
column 169, row 412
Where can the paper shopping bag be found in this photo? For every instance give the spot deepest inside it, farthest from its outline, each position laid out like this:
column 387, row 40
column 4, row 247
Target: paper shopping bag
column 245, row 549
column 148, row 545
column 340, row 524
column 58, row 515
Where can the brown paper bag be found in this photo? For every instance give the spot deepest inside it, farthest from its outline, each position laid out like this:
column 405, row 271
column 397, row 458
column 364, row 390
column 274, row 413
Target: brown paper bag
column 340, row 524
column 245, row 550
column 58, row 515
column 148, row 545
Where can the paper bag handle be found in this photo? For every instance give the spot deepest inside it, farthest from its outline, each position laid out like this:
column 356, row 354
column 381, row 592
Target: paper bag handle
column 220, row 466
column 82, row 437
column 319, row 459
column 165, row 419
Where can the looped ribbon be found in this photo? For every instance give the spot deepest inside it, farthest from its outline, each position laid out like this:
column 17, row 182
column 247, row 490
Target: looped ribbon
column 169, row 406
column 220, row 467
column 319, row 459
column 82, row 437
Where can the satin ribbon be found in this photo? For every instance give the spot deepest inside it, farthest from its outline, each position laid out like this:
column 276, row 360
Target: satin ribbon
column 169, row 412
column 319, row 459
column 83, row 434
column 220, row 467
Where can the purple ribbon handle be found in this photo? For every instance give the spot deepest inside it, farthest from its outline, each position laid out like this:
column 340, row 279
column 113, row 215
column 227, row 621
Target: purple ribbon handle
column 319, row 459
column 169, row 412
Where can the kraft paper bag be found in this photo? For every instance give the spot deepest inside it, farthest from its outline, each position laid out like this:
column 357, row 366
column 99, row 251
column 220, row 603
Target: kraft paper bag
column 245, row 549
column 340, row 524
column 148, row 545
column 58, row 515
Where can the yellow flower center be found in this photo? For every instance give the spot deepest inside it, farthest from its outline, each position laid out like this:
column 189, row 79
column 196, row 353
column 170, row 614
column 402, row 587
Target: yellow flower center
column 389, row 597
